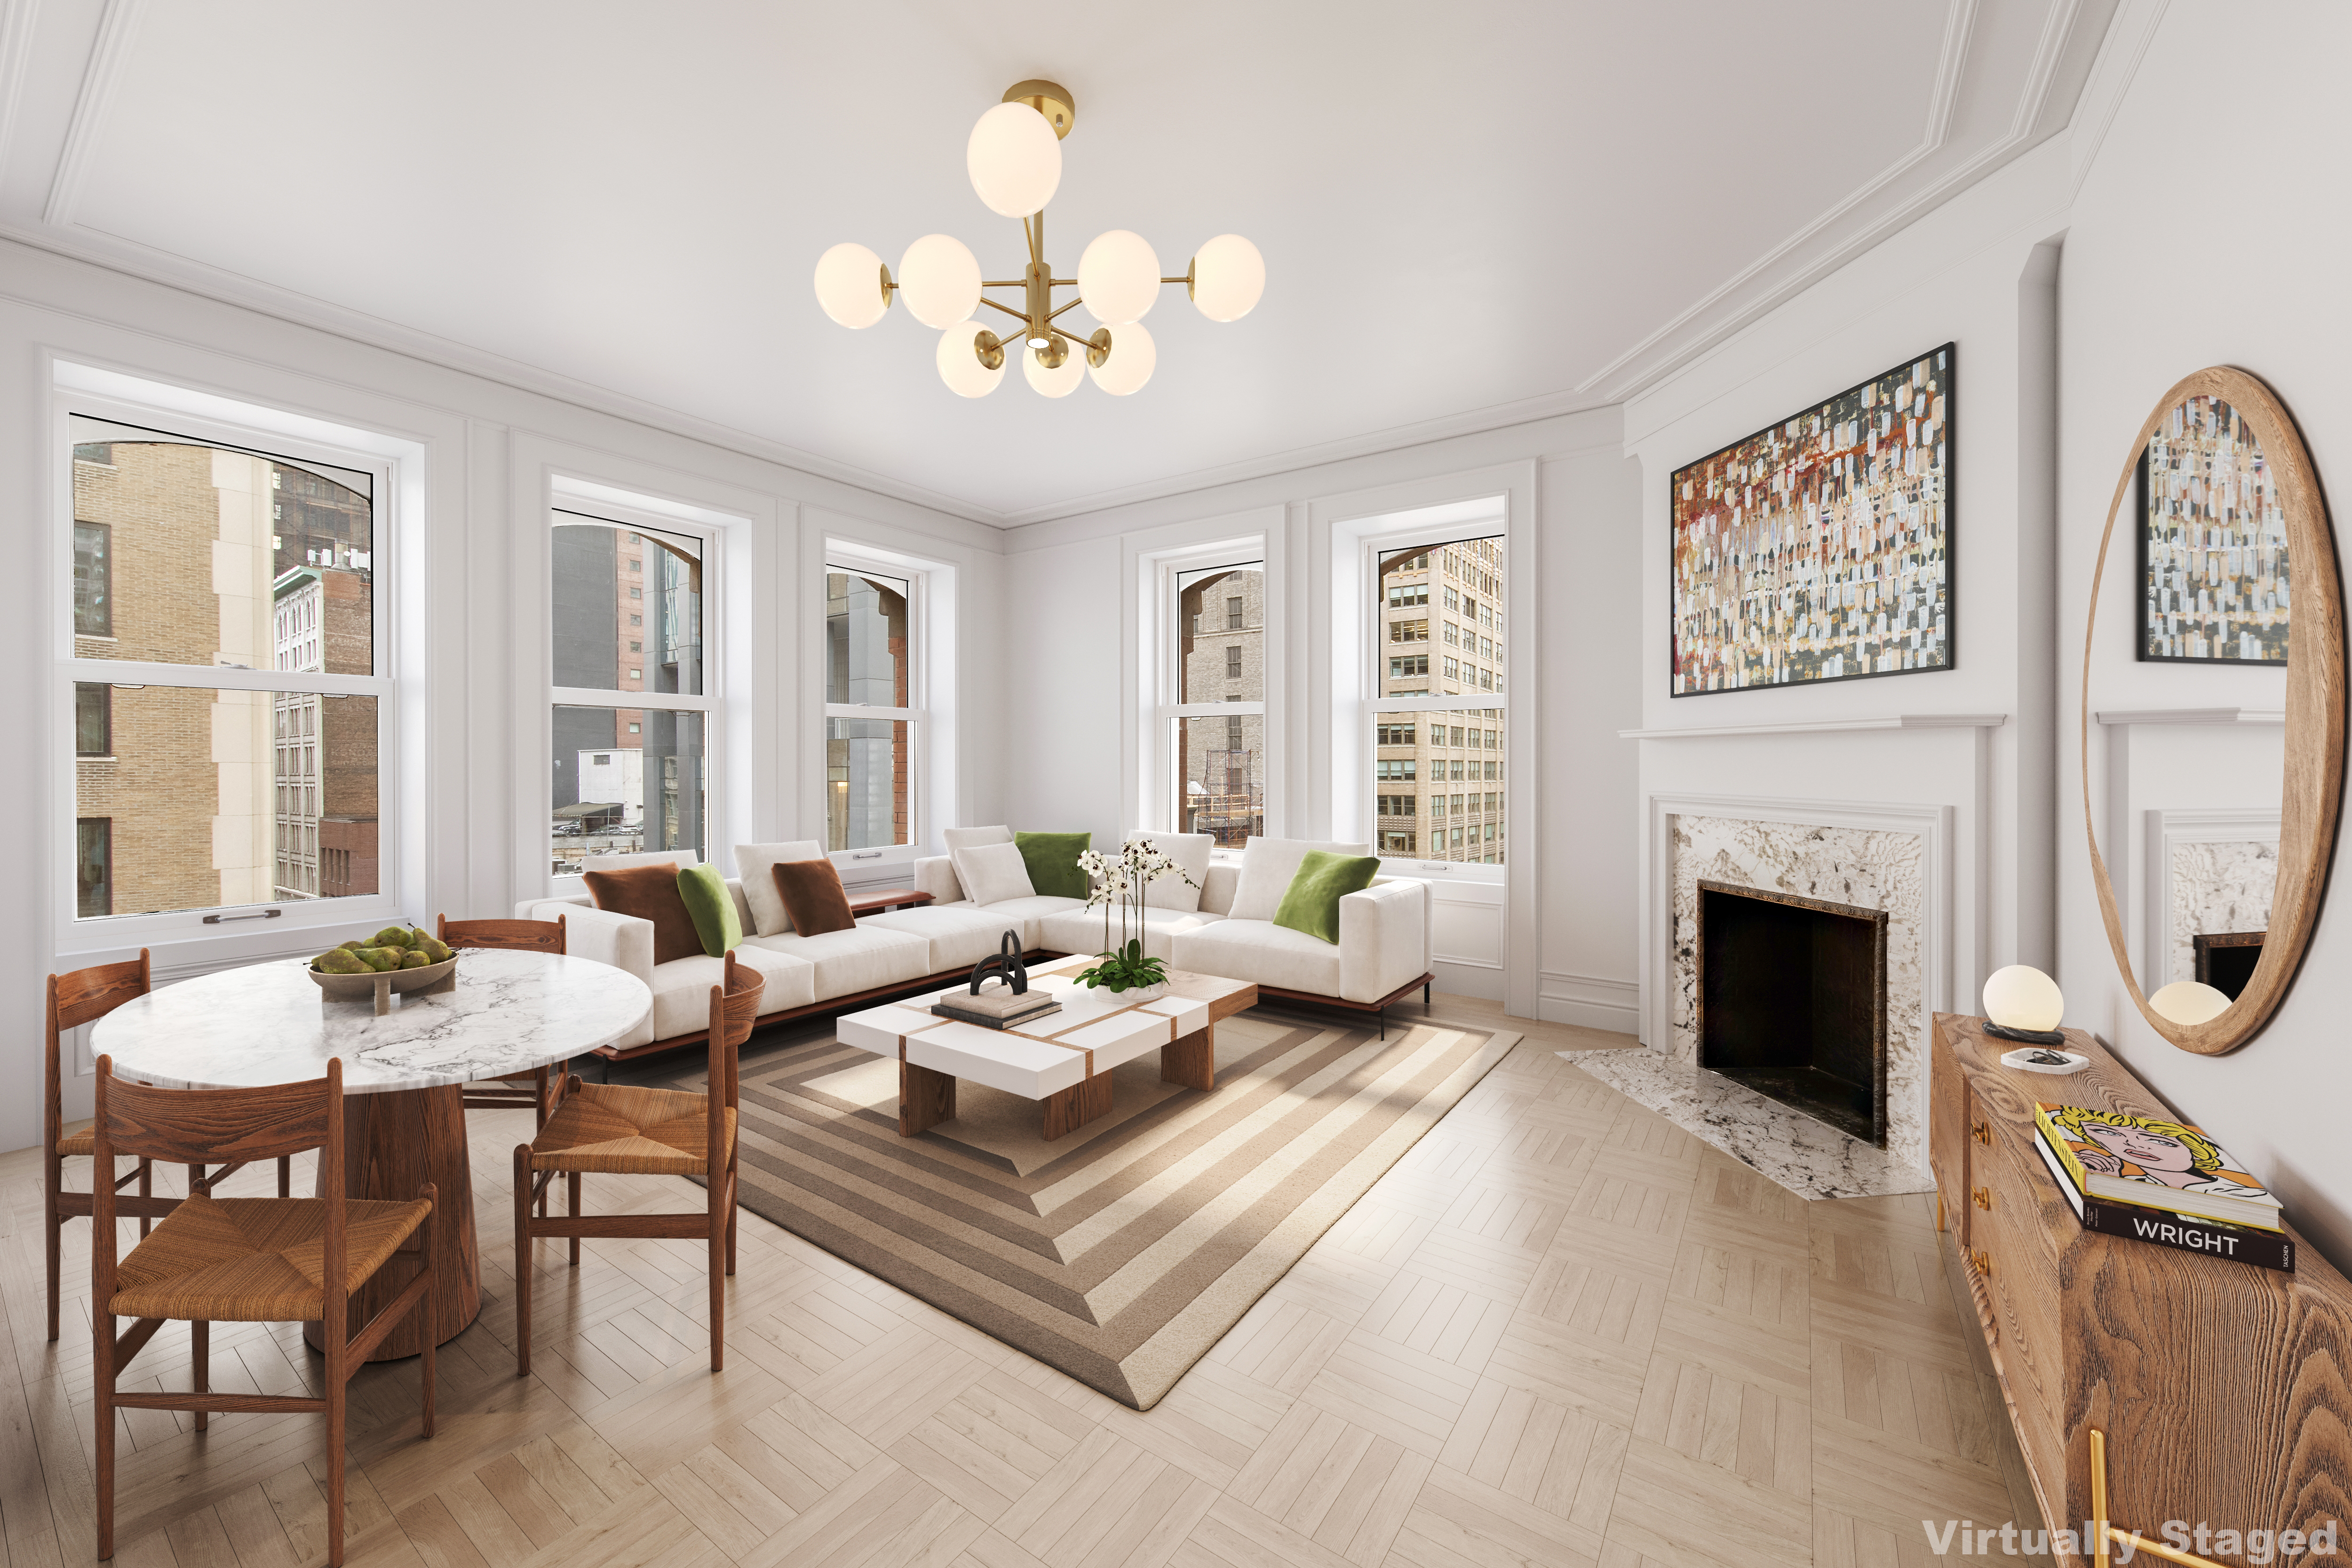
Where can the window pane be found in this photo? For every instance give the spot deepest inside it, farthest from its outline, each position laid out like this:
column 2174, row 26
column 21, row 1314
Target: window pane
column 866, row 772
column 1221, row 776
column 866, row 642
column 188, row 553
column 628, row 607
column 93, row 719
column 626, row 779
column 214, row 799
column 1220, row 621
column 1464, row 578
column 1413, row 756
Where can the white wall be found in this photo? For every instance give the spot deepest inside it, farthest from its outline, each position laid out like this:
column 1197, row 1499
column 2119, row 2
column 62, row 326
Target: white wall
column 2209, row 230
column 486, row 451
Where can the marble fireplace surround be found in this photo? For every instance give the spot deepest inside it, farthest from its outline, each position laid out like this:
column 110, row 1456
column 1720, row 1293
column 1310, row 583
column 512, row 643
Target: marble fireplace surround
column 1894, row 857
column 2207, row 870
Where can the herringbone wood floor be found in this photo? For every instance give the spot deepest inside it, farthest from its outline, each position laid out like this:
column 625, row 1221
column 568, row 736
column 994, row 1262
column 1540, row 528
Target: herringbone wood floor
column 1560, row 1331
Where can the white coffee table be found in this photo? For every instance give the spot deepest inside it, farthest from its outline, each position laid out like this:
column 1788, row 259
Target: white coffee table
column 1062, row 1060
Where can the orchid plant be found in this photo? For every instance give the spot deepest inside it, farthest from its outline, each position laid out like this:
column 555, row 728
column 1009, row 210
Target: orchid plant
column 1123, row 879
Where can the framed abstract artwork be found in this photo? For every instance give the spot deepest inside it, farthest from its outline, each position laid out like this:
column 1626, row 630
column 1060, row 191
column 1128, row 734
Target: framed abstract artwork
column 2213, row 542
column 1820, row 547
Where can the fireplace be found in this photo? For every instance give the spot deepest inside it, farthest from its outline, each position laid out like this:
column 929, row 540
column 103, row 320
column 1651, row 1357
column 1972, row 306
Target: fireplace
column 1792, row 998
column 2226, row 960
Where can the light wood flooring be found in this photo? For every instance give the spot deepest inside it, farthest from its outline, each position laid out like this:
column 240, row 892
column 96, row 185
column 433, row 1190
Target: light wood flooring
column 1560, row 1330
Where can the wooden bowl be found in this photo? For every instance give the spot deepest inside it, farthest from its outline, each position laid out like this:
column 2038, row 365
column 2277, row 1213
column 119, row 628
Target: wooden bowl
column 379, row 987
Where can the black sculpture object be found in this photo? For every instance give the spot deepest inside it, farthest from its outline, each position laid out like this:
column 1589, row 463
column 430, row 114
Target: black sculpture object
column 1006, row 961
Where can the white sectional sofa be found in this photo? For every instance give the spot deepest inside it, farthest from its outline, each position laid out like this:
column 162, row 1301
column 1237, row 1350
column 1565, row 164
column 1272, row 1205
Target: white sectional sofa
column 1226, row 929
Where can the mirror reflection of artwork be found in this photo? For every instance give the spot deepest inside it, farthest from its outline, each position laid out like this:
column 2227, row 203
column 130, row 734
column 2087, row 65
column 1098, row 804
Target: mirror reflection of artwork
column 1820, row 548
column 2213, row 551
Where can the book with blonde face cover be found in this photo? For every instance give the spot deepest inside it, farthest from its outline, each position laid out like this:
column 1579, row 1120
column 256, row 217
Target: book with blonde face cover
column 2154, row 1163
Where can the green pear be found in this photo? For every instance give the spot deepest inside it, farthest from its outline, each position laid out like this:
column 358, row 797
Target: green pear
column 381, row 959
column 417, row 959
column 390, row 936
column 353, row 945
column 439, row 950
column 340, row 961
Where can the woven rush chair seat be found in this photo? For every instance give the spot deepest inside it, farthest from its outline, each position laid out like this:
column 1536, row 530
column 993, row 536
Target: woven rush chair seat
column 623, row 1130
column 255, row 1260
column 71, row 1143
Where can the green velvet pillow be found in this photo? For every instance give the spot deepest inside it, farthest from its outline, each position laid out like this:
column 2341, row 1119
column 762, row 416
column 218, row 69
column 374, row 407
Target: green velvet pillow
column 712, row 906
column 1311, row 902
column 1053, row 861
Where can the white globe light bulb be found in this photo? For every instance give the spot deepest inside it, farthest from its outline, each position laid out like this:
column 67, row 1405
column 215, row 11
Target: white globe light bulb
column 1014, row 160
column 939, row 278
column 1228, row 276
column 1130, row 361
column 1059, row 382
column 849, row 285
column 959, row 364
column 2021, row 997
column 1118, row 276
column 2190, row 1002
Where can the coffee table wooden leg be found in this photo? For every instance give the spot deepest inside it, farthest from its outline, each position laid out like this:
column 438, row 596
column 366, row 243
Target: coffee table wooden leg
column 1075, row 1105
column 1193, row 1061
column 926, row 1098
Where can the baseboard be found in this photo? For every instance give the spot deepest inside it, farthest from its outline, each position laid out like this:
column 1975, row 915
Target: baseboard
column 1590, row 1002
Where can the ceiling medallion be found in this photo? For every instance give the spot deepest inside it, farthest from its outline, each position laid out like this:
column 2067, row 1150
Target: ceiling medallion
column 1014, row 158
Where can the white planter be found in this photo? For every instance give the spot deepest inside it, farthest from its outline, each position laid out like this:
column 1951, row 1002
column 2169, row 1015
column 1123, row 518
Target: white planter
column 1133, row 992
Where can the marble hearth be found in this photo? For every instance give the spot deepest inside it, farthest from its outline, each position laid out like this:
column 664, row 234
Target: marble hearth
column 1874, row 860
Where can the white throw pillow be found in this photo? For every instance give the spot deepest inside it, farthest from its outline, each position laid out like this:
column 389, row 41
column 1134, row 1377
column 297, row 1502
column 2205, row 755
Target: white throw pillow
column 1189, row 851
column 1267, row 867
column 959, row 839
column 991, row 873
column 755, row 868
column 678, row 857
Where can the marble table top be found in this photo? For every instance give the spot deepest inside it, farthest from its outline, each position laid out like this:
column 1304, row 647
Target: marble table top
column 269, row 1023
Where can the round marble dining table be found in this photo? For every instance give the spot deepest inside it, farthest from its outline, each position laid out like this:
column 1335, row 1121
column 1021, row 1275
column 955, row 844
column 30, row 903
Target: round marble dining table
column 403, row 1115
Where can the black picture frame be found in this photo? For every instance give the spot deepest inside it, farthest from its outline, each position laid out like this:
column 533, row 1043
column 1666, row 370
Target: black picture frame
column 1950, row 350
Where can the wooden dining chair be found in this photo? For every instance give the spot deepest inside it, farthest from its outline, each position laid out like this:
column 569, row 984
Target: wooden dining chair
column 535, row 1087
column 624, row 1130
column 245, row 1260
column 84, row 996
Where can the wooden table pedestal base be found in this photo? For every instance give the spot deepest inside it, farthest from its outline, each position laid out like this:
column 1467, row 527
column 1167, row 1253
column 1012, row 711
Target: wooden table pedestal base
column 394, row 1143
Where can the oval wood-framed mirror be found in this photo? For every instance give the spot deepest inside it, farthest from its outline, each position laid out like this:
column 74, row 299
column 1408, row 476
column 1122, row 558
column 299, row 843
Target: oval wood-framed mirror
column 2312, row 763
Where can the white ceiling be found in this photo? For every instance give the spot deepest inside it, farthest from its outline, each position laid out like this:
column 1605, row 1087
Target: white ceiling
column 1471, row 215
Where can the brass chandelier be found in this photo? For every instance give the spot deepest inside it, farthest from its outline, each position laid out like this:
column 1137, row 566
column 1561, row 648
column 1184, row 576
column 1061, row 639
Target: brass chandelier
column 1014, row 158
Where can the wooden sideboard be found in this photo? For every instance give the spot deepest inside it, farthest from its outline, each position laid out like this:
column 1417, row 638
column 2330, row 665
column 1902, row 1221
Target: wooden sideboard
column 2225, row 1390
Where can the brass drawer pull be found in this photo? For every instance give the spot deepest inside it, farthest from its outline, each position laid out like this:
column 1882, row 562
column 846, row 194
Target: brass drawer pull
column 1983, row 1261
column 1982, row 1133
column 1983, row 1197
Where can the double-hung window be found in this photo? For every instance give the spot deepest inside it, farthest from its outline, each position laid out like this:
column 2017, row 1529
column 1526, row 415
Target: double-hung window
column 228, row 668
column 1217, row 725
column 872, row 716
column 633, row 698
column 1440, row 723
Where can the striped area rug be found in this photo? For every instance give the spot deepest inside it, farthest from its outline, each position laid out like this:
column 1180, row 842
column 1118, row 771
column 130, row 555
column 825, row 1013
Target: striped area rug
column 1122, row 1252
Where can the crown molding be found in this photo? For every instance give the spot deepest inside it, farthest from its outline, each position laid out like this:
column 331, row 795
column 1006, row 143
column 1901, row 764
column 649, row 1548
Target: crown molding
column 117, row 29
column 16, row 18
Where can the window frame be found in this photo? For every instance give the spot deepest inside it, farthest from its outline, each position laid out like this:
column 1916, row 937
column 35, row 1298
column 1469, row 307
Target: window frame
column 845, row 555
column 1168, row 712
column 177, row 414
column 710, row 703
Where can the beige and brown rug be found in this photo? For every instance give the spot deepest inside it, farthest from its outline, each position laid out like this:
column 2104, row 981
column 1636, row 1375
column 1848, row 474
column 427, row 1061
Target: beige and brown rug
column 1122, row 1252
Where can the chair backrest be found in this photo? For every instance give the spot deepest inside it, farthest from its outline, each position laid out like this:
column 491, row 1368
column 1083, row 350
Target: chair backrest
column 212, row 1126
column 733, row 1008
column 522, row 936
column 74, row 999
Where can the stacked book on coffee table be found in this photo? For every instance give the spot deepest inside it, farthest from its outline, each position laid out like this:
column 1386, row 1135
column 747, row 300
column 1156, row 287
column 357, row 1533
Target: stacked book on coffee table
column 2160, row 1181
column 996, row 1007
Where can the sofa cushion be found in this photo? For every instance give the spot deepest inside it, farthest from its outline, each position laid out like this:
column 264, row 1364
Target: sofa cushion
column 752, row 862
column 648, row 889
column 682, row 988
column 1311, row 904
column 960, row 934
column 1052, row 859
column 1081, row 931
column 1267, row 867
column 864, row 958
column 1023, row 914
column 1261, row 952
column 814, row 901
column 991, row 873
column 711, row 908
column 1189, row 850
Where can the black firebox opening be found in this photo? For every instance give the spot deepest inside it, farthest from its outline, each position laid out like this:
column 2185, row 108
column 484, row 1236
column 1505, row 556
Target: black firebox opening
column 1792, row 1003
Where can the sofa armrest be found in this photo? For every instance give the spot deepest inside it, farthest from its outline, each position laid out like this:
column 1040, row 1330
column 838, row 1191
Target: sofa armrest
column 1217, row 889
column 607, row 936
column 1383, row 939
column 527, row 909
column 935, row 875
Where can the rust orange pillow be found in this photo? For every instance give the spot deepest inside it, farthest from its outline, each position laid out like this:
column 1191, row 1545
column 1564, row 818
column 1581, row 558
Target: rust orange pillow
column 650, row 893
column 814, row 899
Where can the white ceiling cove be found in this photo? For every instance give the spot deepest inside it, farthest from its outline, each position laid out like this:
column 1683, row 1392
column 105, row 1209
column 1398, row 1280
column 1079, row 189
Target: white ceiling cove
column 1471, row 215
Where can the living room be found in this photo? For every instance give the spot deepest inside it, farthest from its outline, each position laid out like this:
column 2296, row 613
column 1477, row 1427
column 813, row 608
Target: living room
column 1503, row 593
